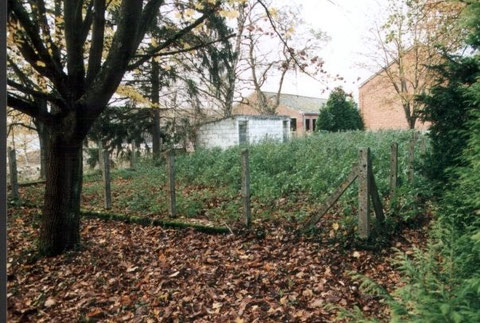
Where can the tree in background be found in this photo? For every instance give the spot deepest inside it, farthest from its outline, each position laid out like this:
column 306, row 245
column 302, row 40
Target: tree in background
column 212, row 71
column 340, row 113
column 408, row 42
column 294, row 47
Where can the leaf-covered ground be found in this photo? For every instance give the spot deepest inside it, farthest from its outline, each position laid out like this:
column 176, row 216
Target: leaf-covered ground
column 126, row 272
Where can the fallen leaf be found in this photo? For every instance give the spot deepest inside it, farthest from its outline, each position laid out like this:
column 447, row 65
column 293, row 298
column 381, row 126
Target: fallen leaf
column 50, row 302
column 175, row 274
column 131, row 269
column 317, row 303
column 96, row 312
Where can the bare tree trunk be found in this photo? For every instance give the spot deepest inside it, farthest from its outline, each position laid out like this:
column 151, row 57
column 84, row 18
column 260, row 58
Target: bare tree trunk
column 411, row 122
column 60, row 220
column 42, row 131
column 155, row 79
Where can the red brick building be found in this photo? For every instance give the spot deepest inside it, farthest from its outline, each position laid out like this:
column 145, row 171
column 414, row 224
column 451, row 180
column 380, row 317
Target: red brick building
column 302, row 110
column 381, row 106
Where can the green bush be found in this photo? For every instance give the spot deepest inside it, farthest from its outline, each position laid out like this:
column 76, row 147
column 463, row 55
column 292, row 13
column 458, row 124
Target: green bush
column 443, row 283
column 446, row 107
column 339, row 113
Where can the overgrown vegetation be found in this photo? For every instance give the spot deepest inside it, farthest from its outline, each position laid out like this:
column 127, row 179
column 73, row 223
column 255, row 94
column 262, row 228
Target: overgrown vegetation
column 289, row 181
column 442, row 282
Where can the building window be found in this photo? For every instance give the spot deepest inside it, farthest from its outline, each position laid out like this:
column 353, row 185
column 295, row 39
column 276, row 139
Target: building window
column 314, row 126
column 293, row 124
column 243, row 132
column 307, row 124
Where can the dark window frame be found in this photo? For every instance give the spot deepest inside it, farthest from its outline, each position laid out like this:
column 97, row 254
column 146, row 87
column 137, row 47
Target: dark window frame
column 293, row 124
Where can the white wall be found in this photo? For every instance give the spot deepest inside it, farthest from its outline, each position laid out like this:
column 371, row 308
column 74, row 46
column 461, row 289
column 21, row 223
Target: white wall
column 224, row 133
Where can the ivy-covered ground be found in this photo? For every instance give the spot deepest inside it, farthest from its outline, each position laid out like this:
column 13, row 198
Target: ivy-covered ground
column 142, row 273
column 288, row 181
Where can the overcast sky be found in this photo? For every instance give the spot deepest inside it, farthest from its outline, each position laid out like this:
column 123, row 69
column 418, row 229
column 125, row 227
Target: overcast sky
column 347, row 22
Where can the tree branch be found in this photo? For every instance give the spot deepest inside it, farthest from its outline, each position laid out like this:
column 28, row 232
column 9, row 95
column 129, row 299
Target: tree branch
column 38, row 52
column 289, row 49
column 171, row 40
column 98, row 33
column 73, row 38
column 30, row 109
column 37, row 94
column 105, row 83
column 187, row 49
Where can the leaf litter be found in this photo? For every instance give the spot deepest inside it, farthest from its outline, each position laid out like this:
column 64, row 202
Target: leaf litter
column 126, row 272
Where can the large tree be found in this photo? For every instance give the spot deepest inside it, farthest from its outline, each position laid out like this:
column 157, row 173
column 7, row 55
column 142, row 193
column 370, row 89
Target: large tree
column 82, row 49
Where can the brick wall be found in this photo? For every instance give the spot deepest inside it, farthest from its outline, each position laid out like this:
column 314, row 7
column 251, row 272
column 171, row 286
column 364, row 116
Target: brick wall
column 379, row 103
column 381, row 108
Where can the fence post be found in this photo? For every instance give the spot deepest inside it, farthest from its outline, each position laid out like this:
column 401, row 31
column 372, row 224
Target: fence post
column 423, row 145
column 171, row 183
column 411, row 156
column 133, row 157
column 246, row 187
column 393, row 169
column 107, row 192
column 364, row 193
column 12, row 163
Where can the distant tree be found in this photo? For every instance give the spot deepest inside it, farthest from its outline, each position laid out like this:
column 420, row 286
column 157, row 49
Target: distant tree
column 339, row 113
column 293, row 48
column 410, row 40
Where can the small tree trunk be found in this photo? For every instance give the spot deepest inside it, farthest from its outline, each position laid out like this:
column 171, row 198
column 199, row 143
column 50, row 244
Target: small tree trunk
column 42, row 131
column 100, row 155
column 156, row 135
column 60, row 220
column 42, row 138
column 12, row 163
column 155, row 81
column 411, row 122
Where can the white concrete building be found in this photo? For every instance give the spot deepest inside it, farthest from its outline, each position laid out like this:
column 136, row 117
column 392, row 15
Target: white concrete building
column 242, row 129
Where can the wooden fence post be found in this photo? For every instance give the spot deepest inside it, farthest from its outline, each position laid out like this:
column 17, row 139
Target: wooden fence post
column 133, row 157
column 423, row 145
column 172, row 209
column 411, row 156
column 393, row 169
column 12, row 163
column 364, row 193
column 107, row 192
column 376, row 201
column 246, row 187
